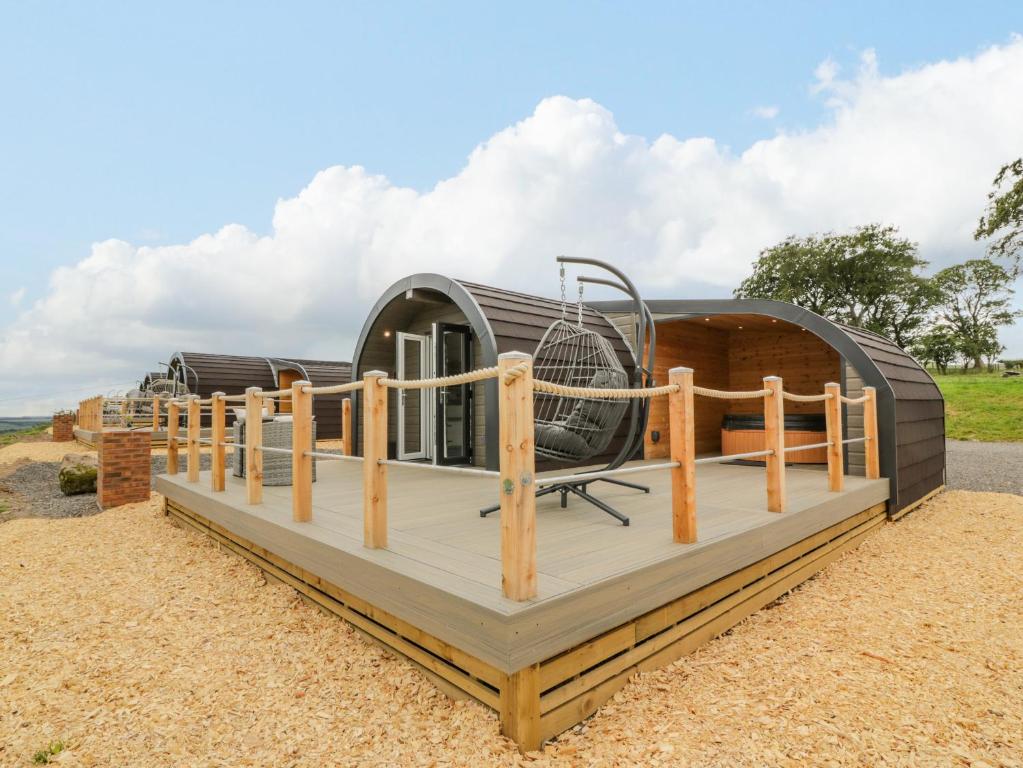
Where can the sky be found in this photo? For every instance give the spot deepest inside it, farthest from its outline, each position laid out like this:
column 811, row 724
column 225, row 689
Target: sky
column 250, row 176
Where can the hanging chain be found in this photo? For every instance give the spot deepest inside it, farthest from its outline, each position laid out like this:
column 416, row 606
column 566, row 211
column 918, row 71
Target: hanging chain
column 580, row 305
column 564, row 300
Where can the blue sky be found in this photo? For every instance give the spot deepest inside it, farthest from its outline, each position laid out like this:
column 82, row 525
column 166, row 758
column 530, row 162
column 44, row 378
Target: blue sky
column 155, row 124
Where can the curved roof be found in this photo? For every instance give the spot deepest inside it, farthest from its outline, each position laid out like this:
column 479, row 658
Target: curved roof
column 205, row 373
column 502, row 321
column 909, row 401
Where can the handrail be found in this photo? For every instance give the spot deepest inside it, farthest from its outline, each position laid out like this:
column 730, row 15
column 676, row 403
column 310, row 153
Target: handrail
column 597, row 475
column 517, row 480
column 733, row 457
column 806, row 398
column 812, row 446
column 722, row 394
column 596, row 392
column 480, row 374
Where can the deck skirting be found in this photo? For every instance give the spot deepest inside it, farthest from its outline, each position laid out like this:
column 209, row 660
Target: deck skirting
column 542, row 700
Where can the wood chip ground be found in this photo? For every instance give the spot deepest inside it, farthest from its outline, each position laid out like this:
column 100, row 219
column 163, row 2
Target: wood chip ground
column 138, row 643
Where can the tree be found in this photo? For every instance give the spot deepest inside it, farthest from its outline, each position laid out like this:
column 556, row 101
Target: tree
column 1003, row 217
column 868, row 278
column 797, row 270
column 939, row 346
column 975, row 302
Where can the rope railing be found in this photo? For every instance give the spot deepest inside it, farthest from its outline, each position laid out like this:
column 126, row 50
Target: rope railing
column 480, row 374
column 514, row 373
column 810, row 447
column 598, row 474
column 334, row 389
column 733, row 457
column 276, row 393
column 854, row 400
column 805, row 398
column 517, row 484
column 721, row 394
column 440, row 468
column 605, row 394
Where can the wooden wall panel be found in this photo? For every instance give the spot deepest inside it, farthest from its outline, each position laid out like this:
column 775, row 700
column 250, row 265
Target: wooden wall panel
column 852, row 420
column 705, row 350
column 804, row 362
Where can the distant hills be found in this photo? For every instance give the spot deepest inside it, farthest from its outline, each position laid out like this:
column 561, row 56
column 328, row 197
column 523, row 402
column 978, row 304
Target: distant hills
column 16, row 423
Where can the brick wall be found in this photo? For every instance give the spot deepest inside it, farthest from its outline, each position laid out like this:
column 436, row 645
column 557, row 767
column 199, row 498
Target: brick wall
column 123, row 467
column 63, row 427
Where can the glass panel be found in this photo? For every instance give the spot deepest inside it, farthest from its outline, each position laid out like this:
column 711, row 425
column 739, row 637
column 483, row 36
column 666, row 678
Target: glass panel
column 454, row 397
column 412, row 412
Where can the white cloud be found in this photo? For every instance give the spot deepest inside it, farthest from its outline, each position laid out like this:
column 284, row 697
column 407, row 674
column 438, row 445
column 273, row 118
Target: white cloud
column 682, row 216
column 17, row 296
column 766, row 112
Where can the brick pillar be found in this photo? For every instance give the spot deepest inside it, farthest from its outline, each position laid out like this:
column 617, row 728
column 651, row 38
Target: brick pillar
column 123, row 467
column 63, row 427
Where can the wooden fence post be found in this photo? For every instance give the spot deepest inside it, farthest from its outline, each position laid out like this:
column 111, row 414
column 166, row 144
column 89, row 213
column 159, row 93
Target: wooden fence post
column 346, row 426
column 156, row 414
column 833, row 417
column 253, row 444
column 301, row 444
column 268, row 403
column 682, row 438
column 173, row 419
column 871, row 448
column 517, row 478
column 520, row 708
column 194, row 431
column 374, row 450
column 219, row 431
column 124, row 414
column 774, row 440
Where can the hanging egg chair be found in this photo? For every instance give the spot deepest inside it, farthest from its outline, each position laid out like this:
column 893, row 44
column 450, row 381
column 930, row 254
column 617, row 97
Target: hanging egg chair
column 574, row 429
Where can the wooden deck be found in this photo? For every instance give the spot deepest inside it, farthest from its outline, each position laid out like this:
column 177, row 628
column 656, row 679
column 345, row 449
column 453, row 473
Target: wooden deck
column 442, row 571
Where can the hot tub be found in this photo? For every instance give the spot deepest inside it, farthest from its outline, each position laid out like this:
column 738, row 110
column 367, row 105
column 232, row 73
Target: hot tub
column 744, row 433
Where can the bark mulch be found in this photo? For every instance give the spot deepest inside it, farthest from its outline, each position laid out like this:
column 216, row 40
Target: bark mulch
column 139, row 643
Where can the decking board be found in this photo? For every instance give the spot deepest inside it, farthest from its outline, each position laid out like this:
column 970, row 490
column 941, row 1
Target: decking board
column 441, row 571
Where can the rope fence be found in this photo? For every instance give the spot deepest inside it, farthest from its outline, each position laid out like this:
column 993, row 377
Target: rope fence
column 721, row 394
column 480, row 374
column 517, row 483
column 602, row 394
column 806, row 398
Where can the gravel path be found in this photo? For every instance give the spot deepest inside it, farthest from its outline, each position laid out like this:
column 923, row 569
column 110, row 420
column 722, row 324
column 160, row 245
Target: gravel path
column 985, row 466
column 32, row 491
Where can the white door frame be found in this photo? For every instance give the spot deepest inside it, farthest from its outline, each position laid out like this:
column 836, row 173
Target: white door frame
column 424, row 451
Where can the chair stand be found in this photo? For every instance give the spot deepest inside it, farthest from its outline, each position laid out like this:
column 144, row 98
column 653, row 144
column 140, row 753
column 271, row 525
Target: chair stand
column 579, row 489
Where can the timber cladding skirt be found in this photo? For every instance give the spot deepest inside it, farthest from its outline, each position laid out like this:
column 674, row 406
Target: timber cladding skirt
column 542, row 700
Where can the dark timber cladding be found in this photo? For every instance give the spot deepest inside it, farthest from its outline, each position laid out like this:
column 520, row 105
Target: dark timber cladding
column 911, row 409
column 204, row 373
column 500, row 321
column 919, row 416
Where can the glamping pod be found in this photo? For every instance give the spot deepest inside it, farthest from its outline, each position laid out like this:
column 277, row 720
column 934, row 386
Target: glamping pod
column 733, row 344
column 429, row 325
column 203, row 374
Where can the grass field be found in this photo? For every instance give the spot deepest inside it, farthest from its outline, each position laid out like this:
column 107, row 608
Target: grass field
column 7, row 438
column 983, row 406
